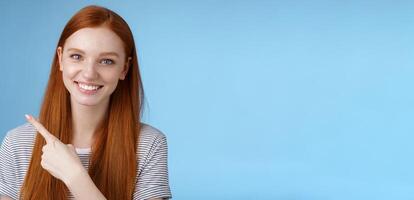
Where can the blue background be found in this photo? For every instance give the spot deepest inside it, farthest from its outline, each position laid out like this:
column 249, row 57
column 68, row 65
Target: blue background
column 259, row 99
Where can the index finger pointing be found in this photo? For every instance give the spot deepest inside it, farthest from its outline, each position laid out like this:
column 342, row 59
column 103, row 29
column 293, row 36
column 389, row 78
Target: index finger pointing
column 42, row 130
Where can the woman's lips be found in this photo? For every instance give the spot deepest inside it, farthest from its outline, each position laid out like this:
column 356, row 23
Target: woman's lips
column 90, row 90
column 85, row 83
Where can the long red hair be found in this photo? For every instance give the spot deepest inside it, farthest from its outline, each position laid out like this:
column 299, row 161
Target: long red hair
column 113, row 161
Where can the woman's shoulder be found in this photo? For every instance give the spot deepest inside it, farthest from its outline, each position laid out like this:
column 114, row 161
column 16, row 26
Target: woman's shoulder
column 27, row 131
column 151, row 140
column 150, row 136
column 24, row 133
column 148, row 131
column 19, row 142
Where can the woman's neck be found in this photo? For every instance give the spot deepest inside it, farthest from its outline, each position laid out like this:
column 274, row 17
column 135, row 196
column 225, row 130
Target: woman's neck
column 85, row 121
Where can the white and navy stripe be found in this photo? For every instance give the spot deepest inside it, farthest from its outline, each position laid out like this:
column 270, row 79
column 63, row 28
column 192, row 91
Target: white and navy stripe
column 152, row 171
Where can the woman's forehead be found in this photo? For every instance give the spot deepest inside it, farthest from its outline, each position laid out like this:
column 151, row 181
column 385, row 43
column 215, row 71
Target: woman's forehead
column 95, row 40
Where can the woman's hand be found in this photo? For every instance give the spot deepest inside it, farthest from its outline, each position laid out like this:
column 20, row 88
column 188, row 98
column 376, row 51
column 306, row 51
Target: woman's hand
column 59, row 159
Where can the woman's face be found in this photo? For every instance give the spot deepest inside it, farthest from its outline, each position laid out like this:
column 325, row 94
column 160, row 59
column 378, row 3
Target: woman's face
column 92, row 61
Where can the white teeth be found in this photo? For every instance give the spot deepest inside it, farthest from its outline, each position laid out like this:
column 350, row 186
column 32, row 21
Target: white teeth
column 88, row 87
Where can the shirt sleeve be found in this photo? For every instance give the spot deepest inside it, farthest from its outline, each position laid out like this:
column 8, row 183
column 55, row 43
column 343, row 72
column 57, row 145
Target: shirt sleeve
column 153, row 180
column 8, row 170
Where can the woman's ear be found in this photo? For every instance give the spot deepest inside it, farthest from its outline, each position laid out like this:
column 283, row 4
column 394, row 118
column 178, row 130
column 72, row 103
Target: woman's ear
column 59, row 53
column 126, row 68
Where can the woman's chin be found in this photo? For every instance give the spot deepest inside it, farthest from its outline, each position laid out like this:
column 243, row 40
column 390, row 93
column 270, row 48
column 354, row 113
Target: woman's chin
column 87, row 102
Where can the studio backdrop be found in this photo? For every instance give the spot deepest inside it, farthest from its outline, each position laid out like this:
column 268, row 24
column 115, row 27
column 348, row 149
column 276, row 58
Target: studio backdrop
column 291, row 100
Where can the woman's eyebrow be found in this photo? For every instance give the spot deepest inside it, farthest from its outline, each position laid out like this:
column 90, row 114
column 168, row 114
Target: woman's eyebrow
column 75, row 49
column 101, row 54
column 109, row 54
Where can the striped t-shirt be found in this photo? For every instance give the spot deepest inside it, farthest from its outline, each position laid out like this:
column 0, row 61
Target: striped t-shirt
column 152, row 170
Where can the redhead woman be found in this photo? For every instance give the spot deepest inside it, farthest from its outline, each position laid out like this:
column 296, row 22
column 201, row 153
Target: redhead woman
column 88, row 141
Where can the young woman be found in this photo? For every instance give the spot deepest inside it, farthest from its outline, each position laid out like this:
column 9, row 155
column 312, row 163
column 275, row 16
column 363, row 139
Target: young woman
column 90, row 142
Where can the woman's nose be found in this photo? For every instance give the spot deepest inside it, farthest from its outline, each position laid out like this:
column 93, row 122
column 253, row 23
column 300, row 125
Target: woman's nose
column 89, row 71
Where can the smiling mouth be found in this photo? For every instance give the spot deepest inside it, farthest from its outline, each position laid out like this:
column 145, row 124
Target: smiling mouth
column 88, row 87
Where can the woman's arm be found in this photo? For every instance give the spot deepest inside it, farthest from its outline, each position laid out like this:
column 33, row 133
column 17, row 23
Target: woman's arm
column 62, row 162
column 82, row 186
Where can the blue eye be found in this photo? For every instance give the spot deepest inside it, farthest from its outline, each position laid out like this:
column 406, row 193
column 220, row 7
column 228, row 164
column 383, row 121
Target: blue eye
column 76, row 56
column 107, row 62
